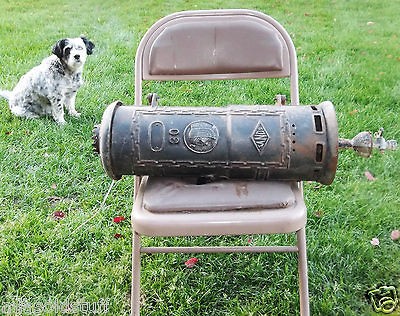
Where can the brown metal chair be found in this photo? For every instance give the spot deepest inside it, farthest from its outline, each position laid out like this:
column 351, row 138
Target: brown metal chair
column 220, row 45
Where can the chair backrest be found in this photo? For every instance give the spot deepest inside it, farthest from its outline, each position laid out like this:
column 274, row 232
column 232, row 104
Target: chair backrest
column 216, row 45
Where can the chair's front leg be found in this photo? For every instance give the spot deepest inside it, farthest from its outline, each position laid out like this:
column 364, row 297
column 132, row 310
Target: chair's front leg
column 303, row 274
column 135, row 294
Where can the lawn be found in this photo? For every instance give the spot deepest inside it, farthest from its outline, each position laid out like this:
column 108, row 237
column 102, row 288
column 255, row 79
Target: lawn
column 348, row 52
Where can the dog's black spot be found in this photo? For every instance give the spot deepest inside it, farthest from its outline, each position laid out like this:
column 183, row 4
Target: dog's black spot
column 89, row 45
column 77, row 77
column 67, row 52
column 58, row 67
column 58, row 48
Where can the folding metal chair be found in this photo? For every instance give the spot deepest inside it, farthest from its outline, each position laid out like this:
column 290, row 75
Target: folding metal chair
column 217, row 45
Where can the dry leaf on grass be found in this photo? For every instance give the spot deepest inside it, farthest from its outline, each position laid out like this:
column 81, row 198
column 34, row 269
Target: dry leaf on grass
column 318, row 214
column 118, row 219
column 58, row 215
column 369, row 176
column 191, row 262
column 374, row 242
column 395, row 235
column 354, row 112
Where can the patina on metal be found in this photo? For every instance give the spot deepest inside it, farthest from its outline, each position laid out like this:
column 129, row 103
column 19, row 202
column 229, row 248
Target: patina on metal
column 252, row 142
column 363, row 143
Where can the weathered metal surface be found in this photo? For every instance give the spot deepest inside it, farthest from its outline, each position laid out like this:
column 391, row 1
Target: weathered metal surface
column 363, row 143
column 252, row 142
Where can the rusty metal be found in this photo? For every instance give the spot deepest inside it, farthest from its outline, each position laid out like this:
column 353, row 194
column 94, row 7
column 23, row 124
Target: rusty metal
column 152, row 99
column 280, row 99
column 381, row 144
column 363, row 143
column 252, row 142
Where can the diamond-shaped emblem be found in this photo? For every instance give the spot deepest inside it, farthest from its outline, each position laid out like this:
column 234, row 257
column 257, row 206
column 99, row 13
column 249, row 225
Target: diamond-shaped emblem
column 260, row 137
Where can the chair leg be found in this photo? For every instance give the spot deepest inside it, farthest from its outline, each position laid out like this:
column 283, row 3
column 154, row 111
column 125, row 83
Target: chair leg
column 303, row 274
column 135, row 294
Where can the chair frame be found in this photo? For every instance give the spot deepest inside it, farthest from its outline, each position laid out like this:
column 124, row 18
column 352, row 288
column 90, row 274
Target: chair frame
column 142, row 73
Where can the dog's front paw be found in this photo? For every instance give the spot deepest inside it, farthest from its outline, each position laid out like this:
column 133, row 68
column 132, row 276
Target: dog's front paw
column 61, row 122
column 75, row 114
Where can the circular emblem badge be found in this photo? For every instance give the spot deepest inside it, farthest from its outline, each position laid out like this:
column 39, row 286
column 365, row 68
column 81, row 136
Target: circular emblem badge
column 201, row 136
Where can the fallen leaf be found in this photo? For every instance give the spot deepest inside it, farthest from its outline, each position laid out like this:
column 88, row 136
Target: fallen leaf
column 54, row 186
column 191, row 262
column 354, row 112
column 9, row 133
column 118, row 219
column 318, row 214
column 57, row 215
column 395, row 235
column 374, row 242
column 117, row 236
column 369, row 176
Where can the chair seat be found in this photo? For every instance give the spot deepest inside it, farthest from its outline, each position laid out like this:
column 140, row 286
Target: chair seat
column 214, row 196
column 180, row 207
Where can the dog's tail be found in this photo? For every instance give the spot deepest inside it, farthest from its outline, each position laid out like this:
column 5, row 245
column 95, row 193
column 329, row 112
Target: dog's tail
column 5, row 94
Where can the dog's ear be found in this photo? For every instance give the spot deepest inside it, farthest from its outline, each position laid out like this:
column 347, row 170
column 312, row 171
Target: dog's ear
column 89, row 45
column 58, row 48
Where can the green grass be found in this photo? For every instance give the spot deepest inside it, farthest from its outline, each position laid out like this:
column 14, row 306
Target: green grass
column 45, row 168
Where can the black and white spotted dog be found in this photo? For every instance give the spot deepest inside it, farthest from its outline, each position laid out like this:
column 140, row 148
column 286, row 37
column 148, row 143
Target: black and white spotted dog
column 49, row 87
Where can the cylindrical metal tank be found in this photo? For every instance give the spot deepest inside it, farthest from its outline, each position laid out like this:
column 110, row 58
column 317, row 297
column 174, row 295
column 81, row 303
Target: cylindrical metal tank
column 248, row 142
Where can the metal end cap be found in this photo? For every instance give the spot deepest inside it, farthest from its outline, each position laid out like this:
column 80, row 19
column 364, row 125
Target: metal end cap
column 95, row 138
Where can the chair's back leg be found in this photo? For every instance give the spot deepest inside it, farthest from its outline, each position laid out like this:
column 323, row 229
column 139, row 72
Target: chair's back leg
column 303, row 275
column 135, row 294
